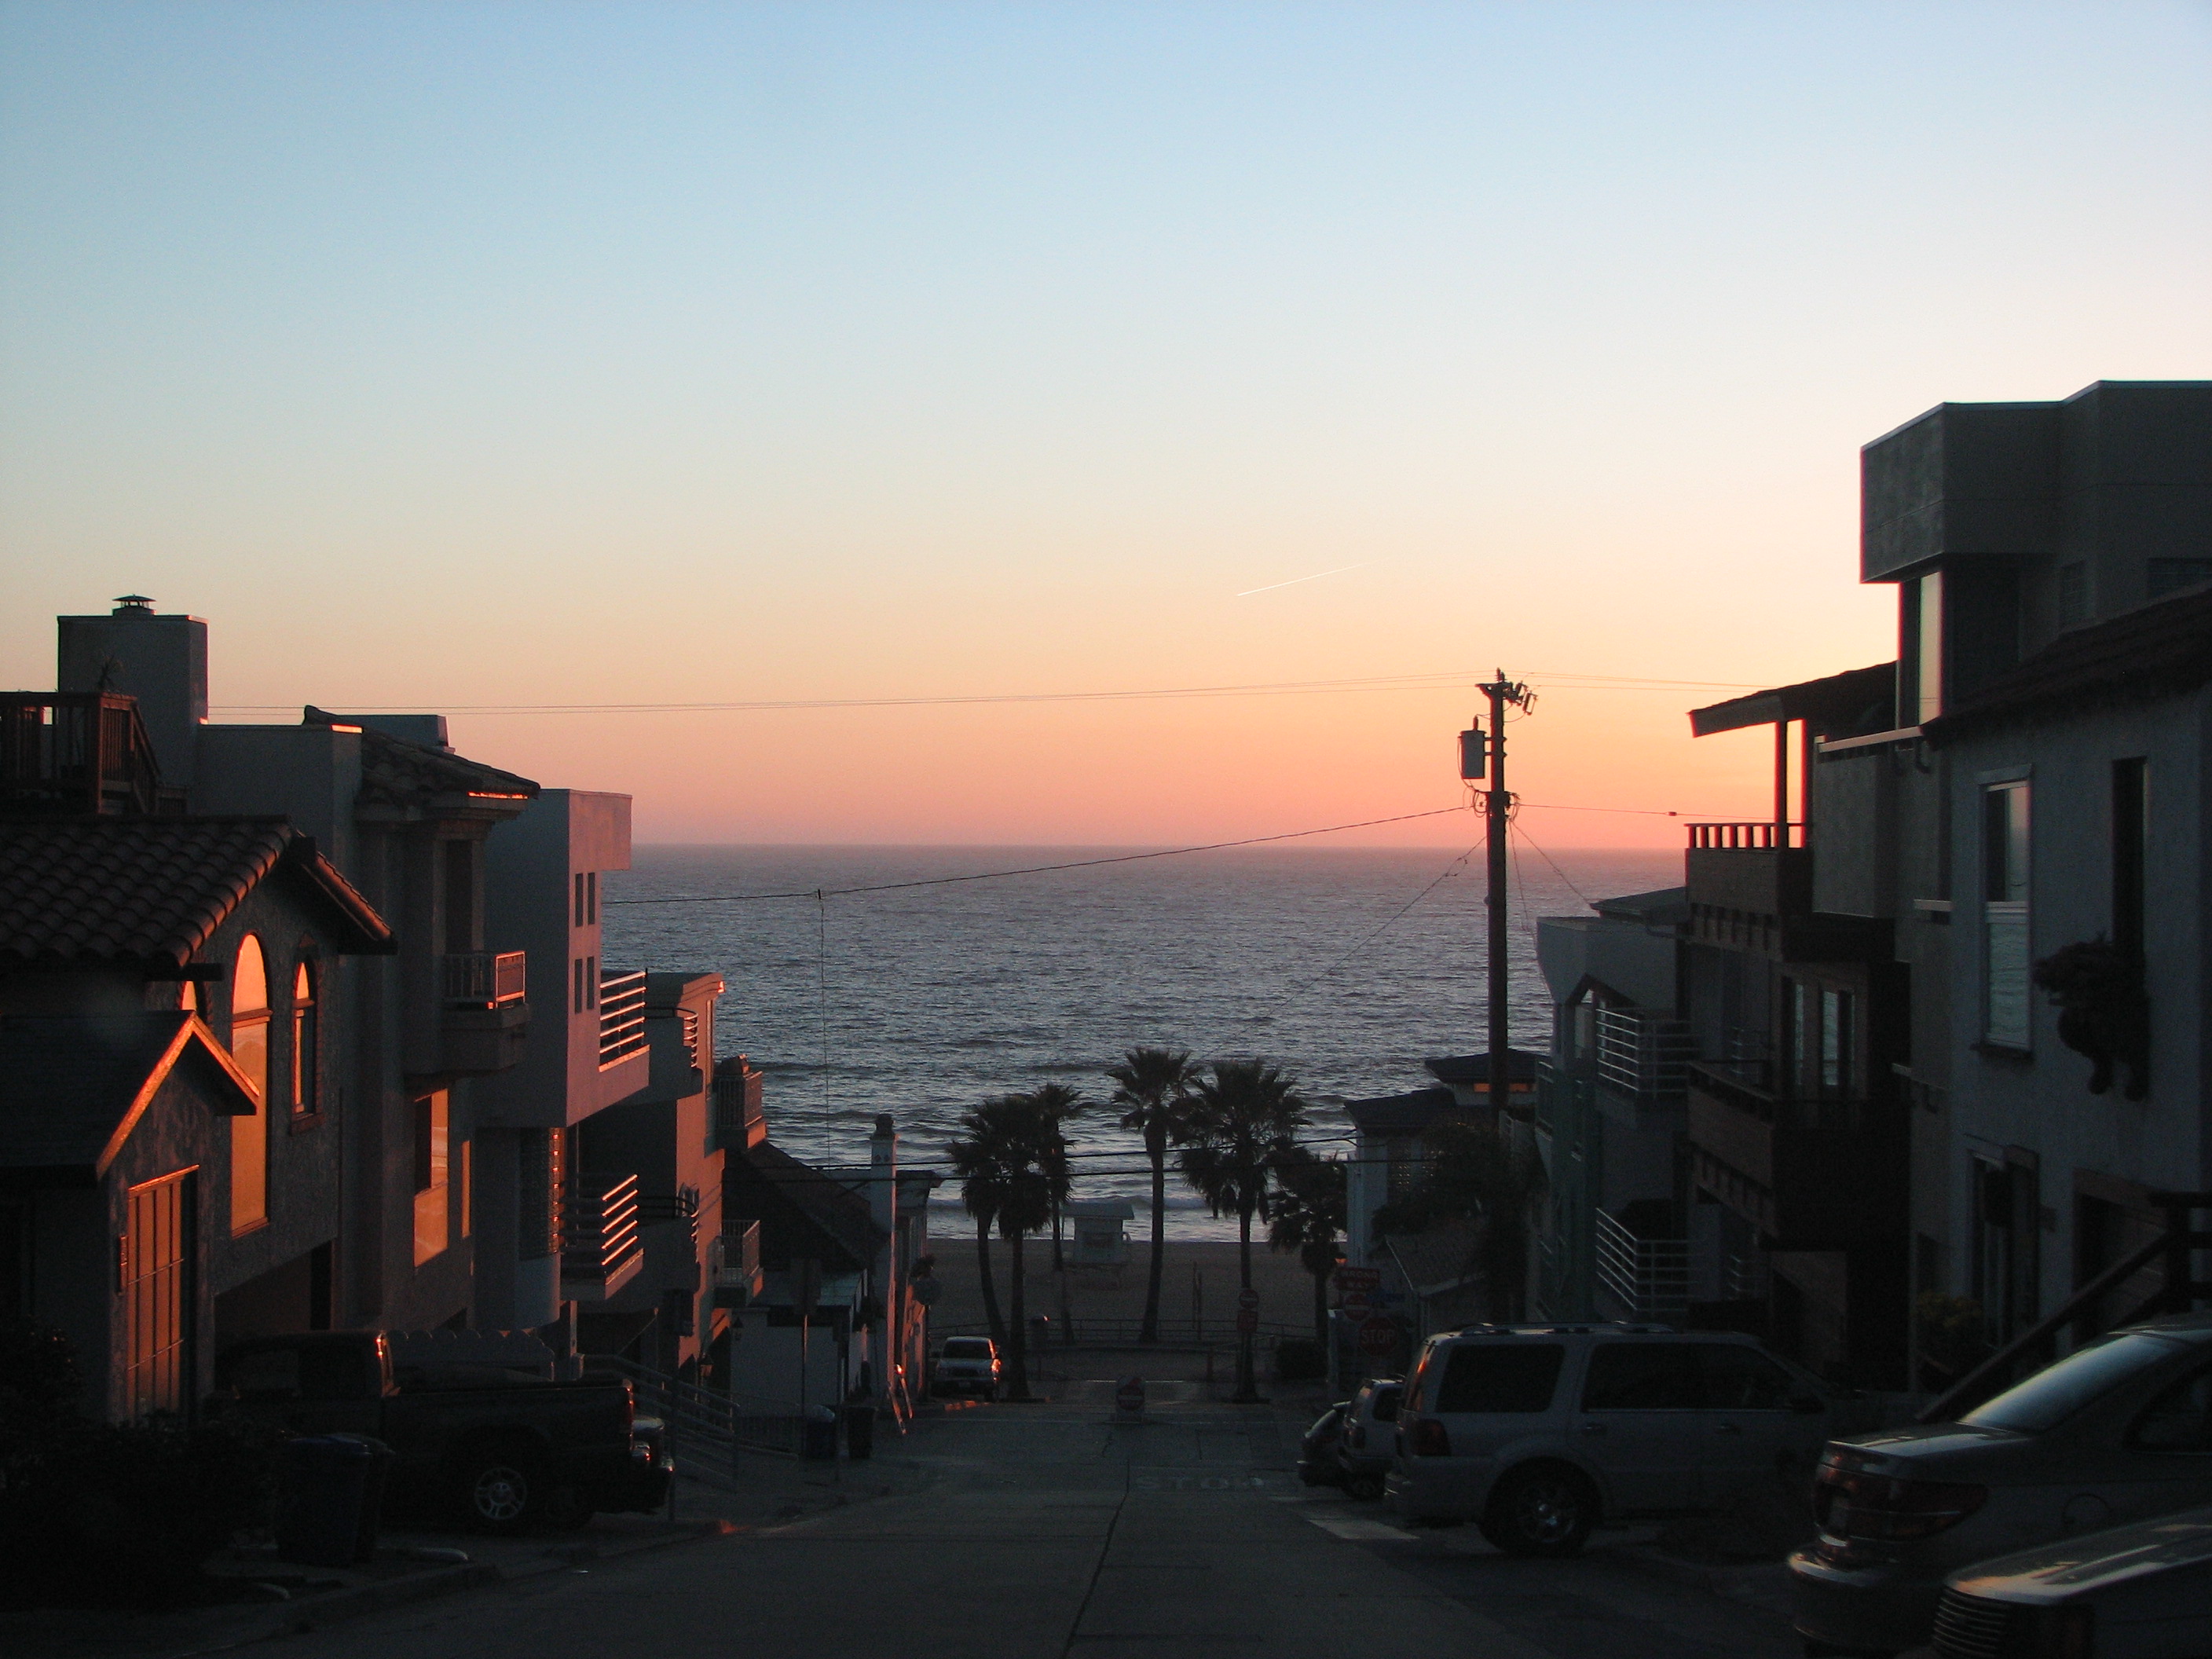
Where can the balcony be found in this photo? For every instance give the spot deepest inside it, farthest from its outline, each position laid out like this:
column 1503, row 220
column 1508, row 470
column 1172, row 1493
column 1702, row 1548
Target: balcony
column 1810, row 1174
column 481, row 1013
column 77, row 755
column 622, row 1016
column 734, row 1260
column 599, row 1249
column 662, row 1209
column 1641, row 1066
column 1646, row 1278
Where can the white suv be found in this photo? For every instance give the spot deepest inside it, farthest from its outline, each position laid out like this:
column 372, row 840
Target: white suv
column 1539, row 1432
column 969, row 1364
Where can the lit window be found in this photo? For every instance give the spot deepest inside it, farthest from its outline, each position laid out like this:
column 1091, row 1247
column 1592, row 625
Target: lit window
column 433, row 1150
column 249, row 1046
column 307, row 1041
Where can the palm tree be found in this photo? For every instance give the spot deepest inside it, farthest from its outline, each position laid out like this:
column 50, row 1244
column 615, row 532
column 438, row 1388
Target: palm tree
column 1240, row 1123
column 1474, row 1173
column 1309, row 1206
column 1151, row 1085
column 1017, row 1151
column 1060, row 1103
column 979, row 1159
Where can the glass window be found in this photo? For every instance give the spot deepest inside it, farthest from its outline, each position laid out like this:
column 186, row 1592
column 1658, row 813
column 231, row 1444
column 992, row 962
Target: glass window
column 307, row 1058
column 2004, row 914
column 249, row 1048
column 2056, row 1392
column 1733, row 1377
column 433, row 1126
column 1642, row 1377
column 1836, row 1039
column 1501, row 1376
column 1928, row 642
column 2178, row 1421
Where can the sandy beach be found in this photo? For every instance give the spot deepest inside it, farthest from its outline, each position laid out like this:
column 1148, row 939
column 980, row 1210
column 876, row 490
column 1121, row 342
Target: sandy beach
column 1197, row 1273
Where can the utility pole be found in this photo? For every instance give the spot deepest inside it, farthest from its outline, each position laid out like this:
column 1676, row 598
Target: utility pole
column 1498, row 805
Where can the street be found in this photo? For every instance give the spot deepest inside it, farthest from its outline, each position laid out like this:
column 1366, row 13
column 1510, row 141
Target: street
column 1044, row 1530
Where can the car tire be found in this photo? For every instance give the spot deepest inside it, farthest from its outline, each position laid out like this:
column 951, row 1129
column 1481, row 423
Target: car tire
column 1367, row 1488
column 1542, row 1510
column 503, row 1490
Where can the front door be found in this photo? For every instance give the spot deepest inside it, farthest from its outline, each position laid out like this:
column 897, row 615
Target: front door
column 1640, row 1426
column 156, row 1273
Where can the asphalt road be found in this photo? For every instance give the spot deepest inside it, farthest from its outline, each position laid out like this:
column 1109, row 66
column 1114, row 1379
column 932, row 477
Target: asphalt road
column 1045, row 1532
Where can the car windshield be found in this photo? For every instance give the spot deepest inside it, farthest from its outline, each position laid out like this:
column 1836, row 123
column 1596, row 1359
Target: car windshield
column 967, row 1347
column 2056, row 1392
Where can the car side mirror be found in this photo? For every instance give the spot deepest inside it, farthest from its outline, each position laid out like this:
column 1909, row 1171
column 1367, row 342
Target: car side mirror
column 1807, row 1405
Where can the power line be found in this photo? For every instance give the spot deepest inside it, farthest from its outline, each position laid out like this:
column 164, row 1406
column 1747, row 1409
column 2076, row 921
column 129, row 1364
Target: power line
column 821, row 893
column 1450, row 680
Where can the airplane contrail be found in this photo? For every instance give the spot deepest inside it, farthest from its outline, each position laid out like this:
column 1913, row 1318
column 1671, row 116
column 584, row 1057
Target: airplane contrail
column 1295, row 580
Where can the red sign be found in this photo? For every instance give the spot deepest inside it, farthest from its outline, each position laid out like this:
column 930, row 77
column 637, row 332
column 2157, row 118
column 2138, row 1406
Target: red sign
column 1249, row 1299
column 1356, row 1288
column 1378, row 1337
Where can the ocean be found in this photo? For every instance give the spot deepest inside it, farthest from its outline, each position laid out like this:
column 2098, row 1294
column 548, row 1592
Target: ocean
column 1347, row 967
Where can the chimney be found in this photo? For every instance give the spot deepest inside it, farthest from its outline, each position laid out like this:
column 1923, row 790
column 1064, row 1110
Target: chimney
column 161, row 660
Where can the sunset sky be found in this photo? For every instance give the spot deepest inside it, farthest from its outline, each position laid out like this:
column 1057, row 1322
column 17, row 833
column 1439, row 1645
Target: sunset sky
column 451, row 354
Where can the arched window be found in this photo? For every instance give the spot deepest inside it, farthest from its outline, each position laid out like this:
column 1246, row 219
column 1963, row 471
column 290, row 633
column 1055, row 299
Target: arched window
column 307, row 1041
column 249, row 1046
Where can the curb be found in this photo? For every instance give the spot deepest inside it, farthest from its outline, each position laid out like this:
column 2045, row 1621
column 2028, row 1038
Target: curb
column 1727, row 1581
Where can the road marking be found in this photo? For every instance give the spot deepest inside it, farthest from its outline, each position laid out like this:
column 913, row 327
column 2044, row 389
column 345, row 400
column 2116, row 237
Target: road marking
column 1357, row 1527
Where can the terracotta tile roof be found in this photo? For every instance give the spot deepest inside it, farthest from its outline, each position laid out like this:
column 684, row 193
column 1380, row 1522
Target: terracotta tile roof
column 149, row 892
column 396, row 772
column 2157, row 650
column 71, row 1089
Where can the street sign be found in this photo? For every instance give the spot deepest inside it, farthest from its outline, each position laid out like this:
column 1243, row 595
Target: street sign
column 1377, row 1337
column 1356, row 1288
column 1248, row 1321
column 1129, row 1400
column 1247, row 1300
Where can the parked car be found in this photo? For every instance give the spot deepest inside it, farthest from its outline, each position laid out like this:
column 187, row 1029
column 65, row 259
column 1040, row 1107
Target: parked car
column 1317, row 1464
column 2136, row 1592
column 1540, row 1433
column 969, row 1364
column 2119, row 1430
column 509, row 1450
column 1370, row 1441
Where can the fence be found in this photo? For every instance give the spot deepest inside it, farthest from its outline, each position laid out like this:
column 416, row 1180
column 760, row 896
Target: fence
column 1118, row 1333
column 707, row 1416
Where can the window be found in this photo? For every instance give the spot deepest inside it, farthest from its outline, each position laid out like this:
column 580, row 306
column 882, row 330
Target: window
column 433, row 1126
column 307, row 1043
column 1734, row 1378
column 1836, row 1039
column 2130, row 850
column 577, row 908
column 1927, row 640
column 249, row 1046
column 1516, row 1376
column 2056, row 1392
column 591, row 897
column 576, row 986
column 153, row 1274
column 2004, row 914
column 2178, row 1421
column 1642, row 1377
column 1797, row 1035
column 2073, row 595
column 2165, row 576
column 465, row 1180
column 2007, row 1245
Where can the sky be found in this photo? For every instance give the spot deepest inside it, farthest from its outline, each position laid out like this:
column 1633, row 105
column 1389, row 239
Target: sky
column 470, row 357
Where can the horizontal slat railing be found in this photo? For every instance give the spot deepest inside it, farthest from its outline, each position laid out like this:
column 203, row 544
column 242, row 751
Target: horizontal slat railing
column 622, row 1016
column 1763, row 837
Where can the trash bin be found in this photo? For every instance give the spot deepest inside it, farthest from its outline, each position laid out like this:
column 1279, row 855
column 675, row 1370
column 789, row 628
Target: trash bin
column 820, row 1444
column 860, row 1430
column 322, row 1499
column 380, row 1460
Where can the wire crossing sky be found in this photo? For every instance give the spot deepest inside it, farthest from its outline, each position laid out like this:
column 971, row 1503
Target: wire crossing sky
column 589, row 372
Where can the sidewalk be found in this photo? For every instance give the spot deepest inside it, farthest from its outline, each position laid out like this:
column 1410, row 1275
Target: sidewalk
column 413, row 1564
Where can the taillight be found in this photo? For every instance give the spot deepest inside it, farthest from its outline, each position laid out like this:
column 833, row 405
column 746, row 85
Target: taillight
column 1428, row 1439
column 1888, row 1508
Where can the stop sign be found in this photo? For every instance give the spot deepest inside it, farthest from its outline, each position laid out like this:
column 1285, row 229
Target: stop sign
column 1377, row 1337
column 1249, row 1299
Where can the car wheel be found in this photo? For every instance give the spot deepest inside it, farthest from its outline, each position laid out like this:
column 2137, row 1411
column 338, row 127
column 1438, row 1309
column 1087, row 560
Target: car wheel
column 502, row 1491
column 1543, row 1510
column 1365, row 1487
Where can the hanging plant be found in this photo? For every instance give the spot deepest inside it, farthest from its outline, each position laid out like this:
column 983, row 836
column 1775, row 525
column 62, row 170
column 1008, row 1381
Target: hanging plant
column 2103, row 1011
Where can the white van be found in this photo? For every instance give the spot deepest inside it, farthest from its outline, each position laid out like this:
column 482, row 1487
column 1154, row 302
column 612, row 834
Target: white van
column 1540, row 1433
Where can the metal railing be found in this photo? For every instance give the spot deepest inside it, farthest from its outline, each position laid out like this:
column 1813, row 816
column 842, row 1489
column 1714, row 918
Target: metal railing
column 1744, row 1276
column 485, row 979
column 598, row 1226
column 658, row 1209
column 707, row 1417
column 1086, row 1333
column 1641, row 1054
column 1650, row 1278
column 736, row 1257
column 622, row 1015
column 1744, row 837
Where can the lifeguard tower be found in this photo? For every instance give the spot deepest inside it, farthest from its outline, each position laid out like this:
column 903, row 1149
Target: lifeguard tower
column 1102, row 1231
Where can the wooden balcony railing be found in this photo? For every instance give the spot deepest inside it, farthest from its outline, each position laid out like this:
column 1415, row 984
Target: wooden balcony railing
column 76, row 755
column 1744, row 837
column 486, row 979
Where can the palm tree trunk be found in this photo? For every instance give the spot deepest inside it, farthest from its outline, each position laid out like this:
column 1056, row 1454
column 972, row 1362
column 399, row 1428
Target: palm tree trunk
column 1150, row 1333
column 1017, row 1348
column 1059, row 1265
column 1247, row 1389
column 990, row 1290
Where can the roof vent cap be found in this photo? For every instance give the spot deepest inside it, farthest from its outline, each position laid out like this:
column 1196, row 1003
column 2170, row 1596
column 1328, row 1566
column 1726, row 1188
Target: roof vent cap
column 133, row 604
